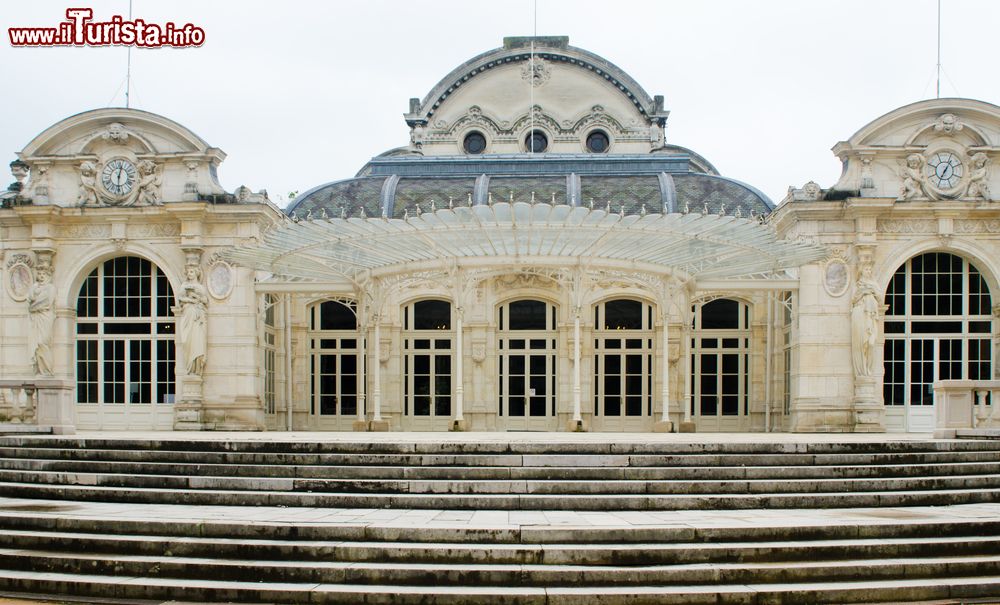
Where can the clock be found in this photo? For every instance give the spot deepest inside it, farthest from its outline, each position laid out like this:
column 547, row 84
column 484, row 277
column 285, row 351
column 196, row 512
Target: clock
column 944, row 170
column 118, row 177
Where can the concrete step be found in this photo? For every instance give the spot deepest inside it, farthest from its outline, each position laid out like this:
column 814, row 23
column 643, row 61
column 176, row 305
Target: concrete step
column 485, row 574
column 499, row 553
column 46, row 518
column 502, row 501
column 617, row 446
column 500, row 473
column 479, row 486
column 757, row 593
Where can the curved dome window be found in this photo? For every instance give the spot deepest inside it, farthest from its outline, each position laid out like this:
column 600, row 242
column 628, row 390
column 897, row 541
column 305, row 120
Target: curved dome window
column 474, row 143
column 536, row 141
column 598, row 141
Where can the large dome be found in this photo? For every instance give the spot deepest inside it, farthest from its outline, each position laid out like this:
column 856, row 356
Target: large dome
column 400, row 186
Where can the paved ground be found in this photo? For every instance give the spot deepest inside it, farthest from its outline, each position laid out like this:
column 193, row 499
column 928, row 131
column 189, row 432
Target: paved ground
column 507, row 437
column 502, row 519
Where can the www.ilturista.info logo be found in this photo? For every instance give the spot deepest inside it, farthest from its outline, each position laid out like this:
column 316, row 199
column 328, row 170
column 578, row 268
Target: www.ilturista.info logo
column 79, row 29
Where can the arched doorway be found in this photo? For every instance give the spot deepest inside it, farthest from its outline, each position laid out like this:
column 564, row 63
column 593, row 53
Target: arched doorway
column 938, row 326
column 623, row 363
column 335, row 361
column 428, row 341
column 125, row 351
column 526, row 386
column 720, row 365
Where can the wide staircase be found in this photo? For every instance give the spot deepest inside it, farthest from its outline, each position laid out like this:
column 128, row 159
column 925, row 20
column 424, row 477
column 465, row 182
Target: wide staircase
column 267, row 520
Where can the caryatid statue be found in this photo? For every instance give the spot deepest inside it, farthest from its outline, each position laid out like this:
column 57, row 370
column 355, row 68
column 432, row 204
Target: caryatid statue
column 192, row 328
column 42, row 314
column 864, row 323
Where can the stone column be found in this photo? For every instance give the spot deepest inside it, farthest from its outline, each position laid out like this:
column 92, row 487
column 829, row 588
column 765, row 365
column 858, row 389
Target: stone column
column 665, row 425
column 361, row 424
column 459, row 423
column 576, row 424
column 377, row 424
column 687, row 425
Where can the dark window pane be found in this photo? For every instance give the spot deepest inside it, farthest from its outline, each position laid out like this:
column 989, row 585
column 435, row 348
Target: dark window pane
column 335, row 315
column 721, row 314
column 432, row 315
column 623, row 315
column 527, row 315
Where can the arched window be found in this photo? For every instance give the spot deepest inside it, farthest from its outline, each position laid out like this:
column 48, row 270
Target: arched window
column 623, row 358
column 720, row 364
column 427, row 364
column 333, row 344
column 125, row 335
column 527, row 363
column 937, row 327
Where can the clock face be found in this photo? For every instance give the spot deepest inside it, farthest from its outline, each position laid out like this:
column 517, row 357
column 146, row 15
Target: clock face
column 118, row 177
column 944, row 170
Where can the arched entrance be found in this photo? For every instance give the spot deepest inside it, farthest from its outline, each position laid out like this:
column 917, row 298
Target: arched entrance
column 623, row 365
column 720, row 365
column 428, row 339
column 937, row 327
column 335, row 360
column 526, row 341
column 124, row 349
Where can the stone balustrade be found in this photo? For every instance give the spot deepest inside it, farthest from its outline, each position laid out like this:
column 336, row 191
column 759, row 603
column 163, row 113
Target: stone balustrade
column 965, row 404
column 39, row 401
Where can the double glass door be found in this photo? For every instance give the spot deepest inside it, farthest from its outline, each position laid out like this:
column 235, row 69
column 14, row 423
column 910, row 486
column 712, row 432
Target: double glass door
column 527, row 366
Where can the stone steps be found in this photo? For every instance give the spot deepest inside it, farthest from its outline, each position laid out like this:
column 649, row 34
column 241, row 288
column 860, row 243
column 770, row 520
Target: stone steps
column 504, row 473
column 153, row 541
column 121, row 587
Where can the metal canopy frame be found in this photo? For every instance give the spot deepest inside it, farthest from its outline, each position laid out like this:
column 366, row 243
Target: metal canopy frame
column 692, row 246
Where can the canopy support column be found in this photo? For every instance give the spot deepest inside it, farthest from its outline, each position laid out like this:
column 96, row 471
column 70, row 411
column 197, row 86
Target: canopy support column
column 288, row 361
column 361, row 423
column 665, row 425
column 576, row 424
column 377, row 424
column 458, row 423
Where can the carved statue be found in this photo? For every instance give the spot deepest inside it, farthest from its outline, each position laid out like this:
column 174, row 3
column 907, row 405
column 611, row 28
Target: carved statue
column 42, row 313
column 192, row 328
column 948, row 123
column 978, row 186
column 150, row 180
column 913, row 177
column 88, row 185
column 864, row 323
column 116, row 132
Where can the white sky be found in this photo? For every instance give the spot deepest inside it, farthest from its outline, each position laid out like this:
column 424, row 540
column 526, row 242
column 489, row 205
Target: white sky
column 301, row 93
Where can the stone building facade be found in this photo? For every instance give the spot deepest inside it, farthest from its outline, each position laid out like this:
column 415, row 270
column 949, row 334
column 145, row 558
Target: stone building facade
column 538, row 257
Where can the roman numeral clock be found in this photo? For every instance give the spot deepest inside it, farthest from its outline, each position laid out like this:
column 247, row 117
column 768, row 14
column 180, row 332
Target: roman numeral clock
column 119, row 177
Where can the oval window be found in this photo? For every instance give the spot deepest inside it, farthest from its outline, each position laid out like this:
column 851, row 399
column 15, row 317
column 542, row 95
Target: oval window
column 474, row 143
column 598, row 142
column 536, row 141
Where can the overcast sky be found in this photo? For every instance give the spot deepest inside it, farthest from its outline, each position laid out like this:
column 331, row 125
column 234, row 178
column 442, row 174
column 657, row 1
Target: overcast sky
column 301, row 93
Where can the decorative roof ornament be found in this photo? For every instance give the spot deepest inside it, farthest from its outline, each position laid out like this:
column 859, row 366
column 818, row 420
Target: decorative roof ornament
column 489, row 198
column 591, row 203
column 362, row 213
column 687, row 208
column 704, row 210
column 722, row 210
column 511, row 196
column 433, row 206
column 343, row 212
column 451, row 203
column 470, row 200
column 406, row 214
column 323, row 215
column 116, row 133
column 295, row 216
column 948, row 123
column 309, row 215
column 642, row 211
column 532, row 198
column 739, row 212
column 553, row 198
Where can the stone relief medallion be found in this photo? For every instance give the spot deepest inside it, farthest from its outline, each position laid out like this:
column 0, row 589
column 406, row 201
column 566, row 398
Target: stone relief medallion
column 19, row 280
column 835, row 277
column 220, row 280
